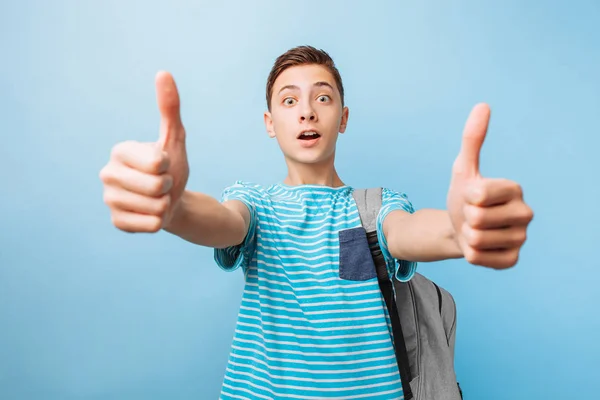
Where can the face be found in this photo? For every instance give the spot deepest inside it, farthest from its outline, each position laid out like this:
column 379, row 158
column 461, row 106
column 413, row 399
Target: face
column 306, row 114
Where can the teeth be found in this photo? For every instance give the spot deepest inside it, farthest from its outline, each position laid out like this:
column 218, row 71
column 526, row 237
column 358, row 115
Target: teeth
column 309, row 134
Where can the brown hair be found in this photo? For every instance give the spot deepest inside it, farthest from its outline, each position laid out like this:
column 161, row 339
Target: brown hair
column 302, row 55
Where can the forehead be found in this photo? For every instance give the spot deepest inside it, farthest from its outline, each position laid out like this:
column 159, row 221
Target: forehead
column 303, row 76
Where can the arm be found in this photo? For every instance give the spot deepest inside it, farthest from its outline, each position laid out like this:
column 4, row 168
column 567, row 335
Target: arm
column 144, row 186
column 425, row 235
column 203, row 220
column 486, row 220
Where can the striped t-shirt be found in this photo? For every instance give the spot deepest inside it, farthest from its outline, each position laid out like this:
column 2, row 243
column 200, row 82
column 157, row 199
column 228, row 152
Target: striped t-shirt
column 310, row 326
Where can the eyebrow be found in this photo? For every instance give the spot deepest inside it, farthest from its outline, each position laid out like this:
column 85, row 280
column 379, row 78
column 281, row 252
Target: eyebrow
column 317, row 84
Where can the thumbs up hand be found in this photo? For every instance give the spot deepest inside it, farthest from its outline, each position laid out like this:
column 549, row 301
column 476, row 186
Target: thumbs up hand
column 489, row 216
column 143, row 182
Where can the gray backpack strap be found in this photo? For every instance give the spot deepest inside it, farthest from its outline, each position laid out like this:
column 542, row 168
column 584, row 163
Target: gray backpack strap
column 424, row 325
column 368, row 202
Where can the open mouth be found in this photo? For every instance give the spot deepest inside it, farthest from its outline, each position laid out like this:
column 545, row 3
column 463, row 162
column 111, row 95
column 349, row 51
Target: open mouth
column 309, row 135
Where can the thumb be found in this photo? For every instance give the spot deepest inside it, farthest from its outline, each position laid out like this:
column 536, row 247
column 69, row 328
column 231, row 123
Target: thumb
column 474, row 133
column 167, row 97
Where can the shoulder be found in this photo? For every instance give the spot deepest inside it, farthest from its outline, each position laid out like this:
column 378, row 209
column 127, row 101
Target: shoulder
column 247, row 192
column 391, row 198
column 390, row 193
column 244, row 187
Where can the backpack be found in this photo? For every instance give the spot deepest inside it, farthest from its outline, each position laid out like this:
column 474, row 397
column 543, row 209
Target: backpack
column 423, row 317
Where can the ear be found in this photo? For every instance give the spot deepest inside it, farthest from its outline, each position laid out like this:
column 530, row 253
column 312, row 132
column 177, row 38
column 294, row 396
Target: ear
column 344, row 121
column 269, row 124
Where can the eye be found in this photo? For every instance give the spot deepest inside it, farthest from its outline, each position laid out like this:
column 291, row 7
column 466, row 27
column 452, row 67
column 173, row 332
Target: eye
column 323, row 98
column 289, row 101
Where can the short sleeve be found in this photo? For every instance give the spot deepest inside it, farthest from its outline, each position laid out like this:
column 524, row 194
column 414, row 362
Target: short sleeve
column 233, row 257
column 390, row 200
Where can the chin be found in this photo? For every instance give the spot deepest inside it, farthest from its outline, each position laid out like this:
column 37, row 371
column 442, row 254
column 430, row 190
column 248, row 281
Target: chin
column 309, row 157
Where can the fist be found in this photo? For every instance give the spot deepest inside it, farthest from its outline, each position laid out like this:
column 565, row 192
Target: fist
column 143, row 182
column 489, row 216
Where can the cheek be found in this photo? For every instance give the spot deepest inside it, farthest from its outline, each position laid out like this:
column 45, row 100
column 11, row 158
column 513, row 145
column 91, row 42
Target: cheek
column 282, row 123
column 284, row 134
column 332, row 118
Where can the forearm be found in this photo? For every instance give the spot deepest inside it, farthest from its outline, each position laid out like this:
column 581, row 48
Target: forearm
column 426, row 235
column 203, row 220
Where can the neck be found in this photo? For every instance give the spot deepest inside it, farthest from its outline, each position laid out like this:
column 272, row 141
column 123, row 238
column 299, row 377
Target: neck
column 322, row 174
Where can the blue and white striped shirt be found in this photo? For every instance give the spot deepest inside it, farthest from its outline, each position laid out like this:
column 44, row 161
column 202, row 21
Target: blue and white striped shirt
column 304, row 331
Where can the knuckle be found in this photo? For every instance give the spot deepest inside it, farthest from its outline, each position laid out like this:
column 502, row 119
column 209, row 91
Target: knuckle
column 475, row 216
column 472, row 255
column 115, row 150
column 163, row 205
column 518, row 190
column 478, row 192
column 106, row 174
column 156, row 186
column 528, row 214
column 512, row 259
column 156, row 161
column 484, row 186
column 102, row 174
column 149, row 158
column 162, row 160
column 117, row 221
column 501, row 265
column 108, row 198
column 508, row 261
column 515, row 258
column 121, row 148
column 475, row 238
column 154, row 224
column 524, row 215
column 521, row 237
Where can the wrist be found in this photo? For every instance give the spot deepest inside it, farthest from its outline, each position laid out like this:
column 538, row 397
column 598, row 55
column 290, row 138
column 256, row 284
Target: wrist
column 176, row 214
column 452, row 238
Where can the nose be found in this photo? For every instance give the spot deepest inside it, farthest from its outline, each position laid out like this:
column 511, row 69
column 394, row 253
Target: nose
column 308, row 113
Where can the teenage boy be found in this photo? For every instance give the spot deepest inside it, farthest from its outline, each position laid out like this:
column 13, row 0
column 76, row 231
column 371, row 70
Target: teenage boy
column 312, row 323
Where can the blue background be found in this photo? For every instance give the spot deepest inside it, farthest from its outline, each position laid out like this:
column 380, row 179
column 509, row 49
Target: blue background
column 89, row 312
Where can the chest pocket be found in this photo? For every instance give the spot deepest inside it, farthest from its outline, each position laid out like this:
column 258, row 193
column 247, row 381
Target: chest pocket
column 356, row 261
